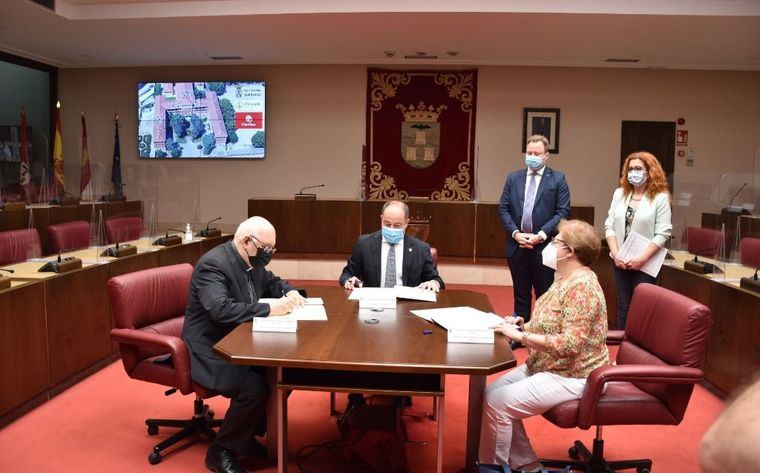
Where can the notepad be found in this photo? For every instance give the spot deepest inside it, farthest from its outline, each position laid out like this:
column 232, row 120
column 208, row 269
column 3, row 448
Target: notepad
column 464, row 317
column 313, row 309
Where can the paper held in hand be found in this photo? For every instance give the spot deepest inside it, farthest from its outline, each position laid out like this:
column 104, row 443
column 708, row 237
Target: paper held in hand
column 463, row 324
column 634, row 245
column 314, row 309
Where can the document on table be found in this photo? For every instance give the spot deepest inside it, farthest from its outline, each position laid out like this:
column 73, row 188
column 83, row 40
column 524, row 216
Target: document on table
column 634, row 245
column 460, row 317
column 371, row 292
column 398, row 292
column 314, row 309
column 414, row 293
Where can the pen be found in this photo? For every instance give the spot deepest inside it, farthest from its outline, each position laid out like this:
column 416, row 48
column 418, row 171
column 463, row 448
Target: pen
column 427, row 332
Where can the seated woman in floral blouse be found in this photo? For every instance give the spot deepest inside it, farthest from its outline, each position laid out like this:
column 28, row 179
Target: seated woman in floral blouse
column 566, row 340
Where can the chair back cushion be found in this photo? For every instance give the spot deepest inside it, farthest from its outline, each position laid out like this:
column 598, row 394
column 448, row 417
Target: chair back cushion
column 703, row 241
column 434, row 255
column 69, row 236
column 152, row 297
column 665, row 328
column 750, row 252
column 19, row 245
column 123, row 229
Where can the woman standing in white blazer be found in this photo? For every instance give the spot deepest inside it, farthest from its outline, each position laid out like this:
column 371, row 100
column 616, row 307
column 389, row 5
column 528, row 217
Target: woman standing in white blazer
column 641, row 204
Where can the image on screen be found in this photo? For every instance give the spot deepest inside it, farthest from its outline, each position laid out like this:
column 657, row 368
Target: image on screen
column 201, row 120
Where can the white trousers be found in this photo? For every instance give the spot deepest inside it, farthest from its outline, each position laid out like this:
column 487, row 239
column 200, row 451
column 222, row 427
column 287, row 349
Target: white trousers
column 511, row 398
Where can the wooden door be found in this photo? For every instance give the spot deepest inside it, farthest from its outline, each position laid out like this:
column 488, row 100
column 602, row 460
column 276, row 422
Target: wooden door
column 658, row 138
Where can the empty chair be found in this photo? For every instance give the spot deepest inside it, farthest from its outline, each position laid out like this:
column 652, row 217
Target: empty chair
column 123, row 229
column 750, row 252
column 658, row 363
column 149, row 312
column 19, row 245
column 69, row 236
column 703, row 241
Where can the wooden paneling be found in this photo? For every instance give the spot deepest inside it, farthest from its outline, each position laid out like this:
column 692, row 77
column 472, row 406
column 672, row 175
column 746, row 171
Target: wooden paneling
column 188, row 253
column 24, row 370
column 207, row 245
column 491, row 237
column 457, row 229
column 451, row 224
column 78, row 320
column 311, row 226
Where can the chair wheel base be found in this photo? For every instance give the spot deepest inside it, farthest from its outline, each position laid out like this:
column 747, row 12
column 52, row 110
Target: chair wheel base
column 594, row 462
column 154, row 458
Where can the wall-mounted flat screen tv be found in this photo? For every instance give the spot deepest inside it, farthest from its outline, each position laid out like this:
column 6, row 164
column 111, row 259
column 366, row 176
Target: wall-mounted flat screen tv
column 201, row 120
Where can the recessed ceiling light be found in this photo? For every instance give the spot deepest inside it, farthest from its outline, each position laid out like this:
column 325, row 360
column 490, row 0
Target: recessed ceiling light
column 226, row 58
column 452, row 53
column 389, row 53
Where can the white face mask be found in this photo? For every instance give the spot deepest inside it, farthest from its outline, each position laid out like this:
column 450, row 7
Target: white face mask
column 549, row 256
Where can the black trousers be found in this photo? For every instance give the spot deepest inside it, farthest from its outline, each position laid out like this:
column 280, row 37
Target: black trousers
column 626, row 281
column 246, row 416
column 529, row 275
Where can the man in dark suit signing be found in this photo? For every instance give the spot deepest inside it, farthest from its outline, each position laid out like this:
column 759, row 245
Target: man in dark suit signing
column 533, row 202
column 389, row 257
column 225, row 288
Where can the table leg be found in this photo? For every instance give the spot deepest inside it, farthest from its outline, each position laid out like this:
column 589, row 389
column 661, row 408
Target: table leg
column 439, row 458
column 282, row 437
column 474, row 418
column 273, row 377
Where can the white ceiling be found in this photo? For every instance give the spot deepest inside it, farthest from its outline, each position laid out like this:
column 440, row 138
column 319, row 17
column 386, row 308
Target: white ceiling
column 677, row 34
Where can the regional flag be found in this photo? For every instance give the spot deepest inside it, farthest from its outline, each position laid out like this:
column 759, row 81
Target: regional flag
column 59, row 182
column 116, row 164
column 84, row 173
column 25, row 171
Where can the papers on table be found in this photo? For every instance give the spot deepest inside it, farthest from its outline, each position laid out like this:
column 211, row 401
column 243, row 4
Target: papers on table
column 274, row 324
column 463, row 324
column 314, row 309
column 398, row 292
column 634, row 245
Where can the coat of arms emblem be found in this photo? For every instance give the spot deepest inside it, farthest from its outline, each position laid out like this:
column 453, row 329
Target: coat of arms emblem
column 420, row 134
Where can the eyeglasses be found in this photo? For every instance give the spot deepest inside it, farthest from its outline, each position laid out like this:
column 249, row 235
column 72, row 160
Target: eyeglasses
column 556, row 240
column 263, row 246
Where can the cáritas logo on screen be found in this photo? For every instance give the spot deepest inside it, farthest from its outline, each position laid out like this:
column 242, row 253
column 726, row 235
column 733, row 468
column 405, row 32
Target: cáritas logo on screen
column 254, row 120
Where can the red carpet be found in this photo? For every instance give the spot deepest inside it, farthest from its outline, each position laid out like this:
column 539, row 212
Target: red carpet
column 98, row 425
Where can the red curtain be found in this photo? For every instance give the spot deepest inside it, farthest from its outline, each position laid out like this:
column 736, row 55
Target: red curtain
column 420, row 135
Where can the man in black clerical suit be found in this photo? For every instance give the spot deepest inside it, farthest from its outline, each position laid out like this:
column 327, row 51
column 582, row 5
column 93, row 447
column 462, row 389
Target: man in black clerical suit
column 388, row 257
column 225, row 288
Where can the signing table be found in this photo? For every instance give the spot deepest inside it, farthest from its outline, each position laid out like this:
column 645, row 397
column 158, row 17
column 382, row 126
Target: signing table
column 348, row 354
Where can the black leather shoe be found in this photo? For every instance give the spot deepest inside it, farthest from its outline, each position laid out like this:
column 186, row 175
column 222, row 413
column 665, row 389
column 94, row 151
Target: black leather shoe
column 255, row 449
column 221, row 460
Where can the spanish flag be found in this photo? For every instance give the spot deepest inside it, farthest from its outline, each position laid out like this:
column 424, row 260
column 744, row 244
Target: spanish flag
column 59, row 183
column 84, row 176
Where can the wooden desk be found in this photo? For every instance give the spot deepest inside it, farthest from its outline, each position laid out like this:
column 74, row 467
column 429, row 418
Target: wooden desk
column 346, row 354
column 733, row 355
column 55, row 328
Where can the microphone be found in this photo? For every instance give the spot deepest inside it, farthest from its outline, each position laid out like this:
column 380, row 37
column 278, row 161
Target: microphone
column 13, row 271
column 209, row 232
column 302, row 196
column 118, row 250
column 731, row 210
column 169, row 240
column 68, row 199
column 62, row 265
column 12, row 205
column 113, row 197
column 750, row 283
column 5, row 281
column 700, row 267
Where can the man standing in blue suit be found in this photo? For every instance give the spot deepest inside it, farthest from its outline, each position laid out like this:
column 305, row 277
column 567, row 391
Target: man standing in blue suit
column 533, row 202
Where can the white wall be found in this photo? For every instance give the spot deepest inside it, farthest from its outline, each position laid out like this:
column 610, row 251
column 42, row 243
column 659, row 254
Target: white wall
column 316, row 127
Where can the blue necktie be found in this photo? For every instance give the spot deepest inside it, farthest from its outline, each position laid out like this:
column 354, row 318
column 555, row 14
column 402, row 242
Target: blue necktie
column 526, row 223
column 390, row 267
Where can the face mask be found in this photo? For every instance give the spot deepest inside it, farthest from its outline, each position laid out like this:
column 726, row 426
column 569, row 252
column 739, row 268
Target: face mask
column 393, row 235
column 549, row 256
column 636, row 178
column 533, row 162
column 262, row 257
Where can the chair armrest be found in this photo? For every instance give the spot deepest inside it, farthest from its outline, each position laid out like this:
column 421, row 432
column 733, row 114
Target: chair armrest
column 615, row 337
column 662, row 374
column 174, row 345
